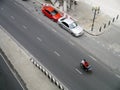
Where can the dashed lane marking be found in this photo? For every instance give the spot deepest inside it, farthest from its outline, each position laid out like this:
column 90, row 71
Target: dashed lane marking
column 26, row 11
column 12, row 17
column 40, row 20
column 98, row 42
column 39, row 39
column 25, row 27
column 54, row 30
column 103, row 45
column 2, row 8
column 92, row 58
column 15, row 3
column 93, row 39
column 117, row 75
column 114, row 52
column 71, row 43
column 56, row 53
column 78, row 71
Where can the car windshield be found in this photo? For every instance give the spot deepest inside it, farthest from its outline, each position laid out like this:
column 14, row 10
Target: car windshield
column 54, row 12
column 73, row 25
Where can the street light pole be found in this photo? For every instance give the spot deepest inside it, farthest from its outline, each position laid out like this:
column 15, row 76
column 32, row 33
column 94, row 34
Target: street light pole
column 95, row 11
column 71, row 3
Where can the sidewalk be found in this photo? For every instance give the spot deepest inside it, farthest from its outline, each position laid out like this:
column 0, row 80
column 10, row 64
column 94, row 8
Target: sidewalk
column 109, row 7
column 108, row 12
column 83, row 14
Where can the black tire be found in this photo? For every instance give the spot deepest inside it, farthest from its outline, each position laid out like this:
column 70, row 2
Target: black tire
column 72, row 34
column 81, row 65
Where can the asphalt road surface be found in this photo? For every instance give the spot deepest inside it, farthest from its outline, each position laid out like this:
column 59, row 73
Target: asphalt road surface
column 7, row 80
column 54, row 51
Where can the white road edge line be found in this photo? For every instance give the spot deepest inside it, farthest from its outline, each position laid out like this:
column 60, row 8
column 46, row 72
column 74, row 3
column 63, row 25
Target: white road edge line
column 39, row 39
column 92, row 58
column 78, row 71
column 57, row 53
column 12, row 72
column 117, row 75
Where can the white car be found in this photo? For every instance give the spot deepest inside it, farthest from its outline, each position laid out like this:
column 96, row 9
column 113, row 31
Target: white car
column 71, row 26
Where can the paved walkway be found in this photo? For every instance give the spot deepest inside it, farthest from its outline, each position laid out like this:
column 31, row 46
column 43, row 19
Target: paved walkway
column 84, row 14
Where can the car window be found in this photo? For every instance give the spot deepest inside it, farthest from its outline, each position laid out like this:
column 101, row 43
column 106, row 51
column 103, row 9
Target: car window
column 73, row 25
column 65, row 24
column 62, row 19
column 47, row 11
column 54, row 12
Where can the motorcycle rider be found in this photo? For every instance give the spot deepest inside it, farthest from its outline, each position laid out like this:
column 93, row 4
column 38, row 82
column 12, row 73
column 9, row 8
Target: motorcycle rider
column 85, row 63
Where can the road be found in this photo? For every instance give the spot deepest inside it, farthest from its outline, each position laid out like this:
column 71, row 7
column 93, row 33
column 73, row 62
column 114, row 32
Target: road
column 7, row 80
column 55, row 50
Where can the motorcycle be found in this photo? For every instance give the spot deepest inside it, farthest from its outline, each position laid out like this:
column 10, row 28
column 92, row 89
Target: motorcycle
column 88, row 68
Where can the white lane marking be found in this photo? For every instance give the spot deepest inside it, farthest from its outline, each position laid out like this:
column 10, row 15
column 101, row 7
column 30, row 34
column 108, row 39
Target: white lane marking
column 26, row 11
column 93, row 58
column 54, row 30
column 56, row 53
column 117, row 75
column 114, row 52
column 98, row 42
column 25, row 27
column 16, row 4
column 78, row 71
column 71, row 43
column 39, row 39
column 108, row 48
column 2, row 8
column 103, row 45
column 12, row 71
column 40, row 20
column 93, row 38
column 12, row 17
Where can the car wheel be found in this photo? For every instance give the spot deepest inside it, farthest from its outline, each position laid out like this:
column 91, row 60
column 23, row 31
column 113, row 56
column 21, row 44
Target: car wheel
column 60, row 25
column 73, row 34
